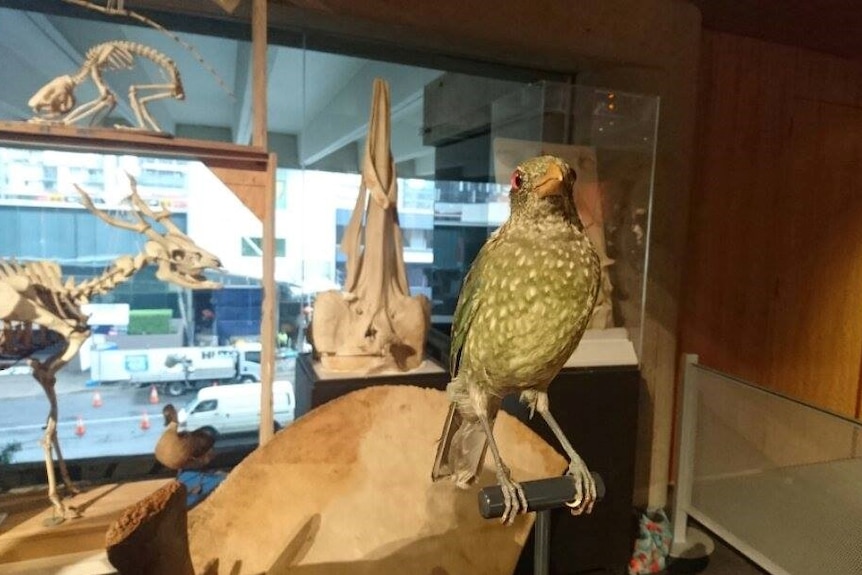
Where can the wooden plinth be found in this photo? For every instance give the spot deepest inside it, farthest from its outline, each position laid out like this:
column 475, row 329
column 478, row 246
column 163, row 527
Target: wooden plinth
column 27, row 543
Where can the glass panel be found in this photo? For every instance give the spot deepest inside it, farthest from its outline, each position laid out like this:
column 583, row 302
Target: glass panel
column 777, row 476
column 609, row 138
column 192, row 78
column 151, row 340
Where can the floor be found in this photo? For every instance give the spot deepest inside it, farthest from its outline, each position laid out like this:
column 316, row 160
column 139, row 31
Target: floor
column 724, row 560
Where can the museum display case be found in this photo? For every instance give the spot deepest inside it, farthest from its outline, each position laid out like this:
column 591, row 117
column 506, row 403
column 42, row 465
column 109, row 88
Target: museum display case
column 456, row 139
column 609, row 137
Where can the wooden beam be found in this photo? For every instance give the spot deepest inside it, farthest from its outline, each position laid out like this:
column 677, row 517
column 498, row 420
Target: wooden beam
column 269, row 309
column 258, row 67
column 135, row 142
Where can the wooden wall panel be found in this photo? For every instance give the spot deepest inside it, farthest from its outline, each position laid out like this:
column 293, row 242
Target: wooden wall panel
column 815, row 317
column 775, row 241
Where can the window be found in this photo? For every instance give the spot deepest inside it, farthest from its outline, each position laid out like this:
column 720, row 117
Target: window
column 253, row 247
column 206, row 405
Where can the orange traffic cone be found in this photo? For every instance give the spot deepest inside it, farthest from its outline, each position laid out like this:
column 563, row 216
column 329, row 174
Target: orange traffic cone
column 145, row 421
column 154, row 395
column 97, row 399
column 80, row 430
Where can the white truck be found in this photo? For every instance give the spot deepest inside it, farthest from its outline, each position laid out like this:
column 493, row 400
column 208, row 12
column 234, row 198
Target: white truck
column 177, row 369
column 228, row 409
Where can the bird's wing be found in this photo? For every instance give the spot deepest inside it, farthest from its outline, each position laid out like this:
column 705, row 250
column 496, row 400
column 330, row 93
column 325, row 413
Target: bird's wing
column 469, row 302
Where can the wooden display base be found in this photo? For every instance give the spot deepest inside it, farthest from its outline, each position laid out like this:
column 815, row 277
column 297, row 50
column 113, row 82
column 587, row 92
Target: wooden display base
column 29, row 545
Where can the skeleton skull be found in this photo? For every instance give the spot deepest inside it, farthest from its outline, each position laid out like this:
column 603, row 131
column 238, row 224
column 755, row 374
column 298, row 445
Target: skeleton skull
column 181, row 261
column 54, row 98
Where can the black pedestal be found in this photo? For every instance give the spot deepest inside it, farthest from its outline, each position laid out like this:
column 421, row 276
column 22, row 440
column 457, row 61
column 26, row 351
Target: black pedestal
column 315, row 386
column 597, row 409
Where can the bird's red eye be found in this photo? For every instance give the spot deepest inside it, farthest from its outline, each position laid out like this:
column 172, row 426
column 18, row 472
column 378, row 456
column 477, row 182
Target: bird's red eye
column 517, row 179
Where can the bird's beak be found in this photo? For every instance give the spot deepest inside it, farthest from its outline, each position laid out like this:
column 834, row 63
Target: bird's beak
column 552, row 183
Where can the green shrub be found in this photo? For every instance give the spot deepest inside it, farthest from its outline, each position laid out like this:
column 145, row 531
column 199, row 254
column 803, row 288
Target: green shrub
column 149, row 321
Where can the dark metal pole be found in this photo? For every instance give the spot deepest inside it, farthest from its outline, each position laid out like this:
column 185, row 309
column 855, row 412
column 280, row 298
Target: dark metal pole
column 542, row 549
column 542, row 495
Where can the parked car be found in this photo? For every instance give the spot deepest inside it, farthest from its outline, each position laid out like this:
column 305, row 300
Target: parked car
column 228, row 409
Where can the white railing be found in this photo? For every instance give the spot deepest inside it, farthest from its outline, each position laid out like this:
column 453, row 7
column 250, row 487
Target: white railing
column 779, row 480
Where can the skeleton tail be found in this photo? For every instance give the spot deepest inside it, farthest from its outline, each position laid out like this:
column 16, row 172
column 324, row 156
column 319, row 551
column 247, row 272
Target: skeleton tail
column 155, row 25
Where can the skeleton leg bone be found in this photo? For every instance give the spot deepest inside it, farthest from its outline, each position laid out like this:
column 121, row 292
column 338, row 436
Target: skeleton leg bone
column 139, row 104
column 46, row 374
column 64, row 471
column 47, row 442
column 91, row 109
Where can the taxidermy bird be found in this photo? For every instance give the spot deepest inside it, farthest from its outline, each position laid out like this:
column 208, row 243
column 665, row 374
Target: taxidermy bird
column 523, row 307
column 182, row 449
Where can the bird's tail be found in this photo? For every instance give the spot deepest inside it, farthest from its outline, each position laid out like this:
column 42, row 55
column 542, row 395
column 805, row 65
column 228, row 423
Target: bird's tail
column 461, row 449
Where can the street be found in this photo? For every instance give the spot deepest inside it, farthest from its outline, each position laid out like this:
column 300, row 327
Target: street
column 115, row 428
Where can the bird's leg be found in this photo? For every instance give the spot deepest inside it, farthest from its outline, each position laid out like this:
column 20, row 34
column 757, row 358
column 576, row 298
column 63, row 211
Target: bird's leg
column 514, row 500
column 485, row 407
column 585, row 485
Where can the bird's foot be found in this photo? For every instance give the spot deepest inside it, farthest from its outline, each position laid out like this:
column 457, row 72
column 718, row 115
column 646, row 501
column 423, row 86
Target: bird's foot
column 585, row 488
column 514, row 500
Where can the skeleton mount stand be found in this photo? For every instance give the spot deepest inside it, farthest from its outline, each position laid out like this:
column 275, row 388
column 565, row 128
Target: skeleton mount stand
column 542, row 496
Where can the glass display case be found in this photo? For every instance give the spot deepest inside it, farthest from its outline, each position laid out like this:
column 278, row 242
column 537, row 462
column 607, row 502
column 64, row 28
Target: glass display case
column 455, row 139
column 609, row 138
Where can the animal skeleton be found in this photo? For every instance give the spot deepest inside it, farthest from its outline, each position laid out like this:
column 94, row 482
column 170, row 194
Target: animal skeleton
column 55, row 101
column 34, row 294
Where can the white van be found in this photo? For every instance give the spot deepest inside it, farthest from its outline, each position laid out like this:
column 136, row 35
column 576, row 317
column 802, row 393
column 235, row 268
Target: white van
column 235, row 408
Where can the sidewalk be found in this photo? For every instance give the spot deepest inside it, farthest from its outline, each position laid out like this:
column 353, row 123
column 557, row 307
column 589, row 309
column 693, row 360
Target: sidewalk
column 17, row 383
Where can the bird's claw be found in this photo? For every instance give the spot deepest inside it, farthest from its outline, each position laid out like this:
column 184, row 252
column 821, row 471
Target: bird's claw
column 585, row 488
column 514, row 500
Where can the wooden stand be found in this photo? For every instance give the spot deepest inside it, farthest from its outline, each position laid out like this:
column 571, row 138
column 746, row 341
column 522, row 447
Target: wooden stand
column 26, row 545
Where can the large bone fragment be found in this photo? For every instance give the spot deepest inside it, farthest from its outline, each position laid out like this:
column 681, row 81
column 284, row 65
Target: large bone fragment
column 374, row 324
column 346, row 489
column 151, row 536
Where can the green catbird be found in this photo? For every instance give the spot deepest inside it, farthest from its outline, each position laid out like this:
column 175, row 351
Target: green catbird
column 523, row 307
